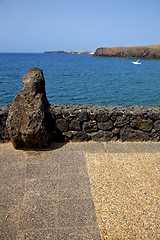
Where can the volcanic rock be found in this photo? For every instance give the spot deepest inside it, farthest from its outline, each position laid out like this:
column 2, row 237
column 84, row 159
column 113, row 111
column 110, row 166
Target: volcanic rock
column 90, row 126
column 27, row 119
column 105, row 125
column 157, row 125
column 62, row 125
column 142, row 124
column 75, row 125
column 131, row 135
column 121, row 121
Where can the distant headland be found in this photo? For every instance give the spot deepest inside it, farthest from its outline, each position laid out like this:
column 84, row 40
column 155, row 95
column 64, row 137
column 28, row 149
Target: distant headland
column 143, row 52
column 71, row 52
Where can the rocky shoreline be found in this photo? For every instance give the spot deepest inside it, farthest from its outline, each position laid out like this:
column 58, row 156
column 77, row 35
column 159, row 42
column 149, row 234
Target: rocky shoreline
column 143, row 52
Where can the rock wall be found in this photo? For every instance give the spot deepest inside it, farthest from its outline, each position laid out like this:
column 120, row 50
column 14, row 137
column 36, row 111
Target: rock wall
column 143, row 52
column 4, row 111
column 97, row 123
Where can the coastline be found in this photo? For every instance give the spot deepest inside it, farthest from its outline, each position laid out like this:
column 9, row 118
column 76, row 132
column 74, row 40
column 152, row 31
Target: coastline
column 69, row 52
column 142, row 52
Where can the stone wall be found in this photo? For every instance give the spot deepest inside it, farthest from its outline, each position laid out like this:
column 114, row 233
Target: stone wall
column 4, row 110
column 97, row 123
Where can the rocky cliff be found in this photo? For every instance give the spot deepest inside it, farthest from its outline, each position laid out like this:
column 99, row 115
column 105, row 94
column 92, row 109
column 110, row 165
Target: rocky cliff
column 144, row 52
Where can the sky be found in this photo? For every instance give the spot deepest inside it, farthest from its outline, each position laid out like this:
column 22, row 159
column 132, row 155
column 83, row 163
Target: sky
column 41, row 25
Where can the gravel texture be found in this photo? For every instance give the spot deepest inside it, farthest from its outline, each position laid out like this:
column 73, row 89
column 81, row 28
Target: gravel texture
column 125, row 188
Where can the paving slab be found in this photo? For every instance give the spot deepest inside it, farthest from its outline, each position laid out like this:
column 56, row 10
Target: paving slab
column 50, row 194
column 89, row 190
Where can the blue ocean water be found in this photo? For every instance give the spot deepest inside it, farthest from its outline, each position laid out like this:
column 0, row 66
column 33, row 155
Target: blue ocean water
column 82, row 79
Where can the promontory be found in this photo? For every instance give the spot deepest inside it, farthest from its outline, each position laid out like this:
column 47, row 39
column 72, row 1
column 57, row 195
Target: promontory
column 70, row 52
column 143, row 52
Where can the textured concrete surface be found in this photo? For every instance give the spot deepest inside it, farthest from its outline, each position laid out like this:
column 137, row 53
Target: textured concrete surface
column 79, row 191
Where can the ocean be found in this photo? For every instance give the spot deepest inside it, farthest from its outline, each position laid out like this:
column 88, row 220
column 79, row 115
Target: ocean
column 83, row 79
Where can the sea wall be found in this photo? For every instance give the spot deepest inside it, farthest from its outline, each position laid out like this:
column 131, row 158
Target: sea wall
column 4, row 110
column 97, row 123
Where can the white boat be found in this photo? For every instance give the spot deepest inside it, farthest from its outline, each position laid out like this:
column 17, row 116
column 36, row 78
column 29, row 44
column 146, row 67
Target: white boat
column 137, row 62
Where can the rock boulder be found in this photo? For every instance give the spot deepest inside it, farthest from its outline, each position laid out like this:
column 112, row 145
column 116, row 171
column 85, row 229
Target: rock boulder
column 27, row 119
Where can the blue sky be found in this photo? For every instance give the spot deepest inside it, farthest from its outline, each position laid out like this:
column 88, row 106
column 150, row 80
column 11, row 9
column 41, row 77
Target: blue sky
column 39, row 25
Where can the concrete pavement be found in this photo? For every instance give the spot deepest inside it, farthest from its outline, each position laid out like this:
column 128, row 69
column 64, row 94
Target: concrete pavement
column 80, row 191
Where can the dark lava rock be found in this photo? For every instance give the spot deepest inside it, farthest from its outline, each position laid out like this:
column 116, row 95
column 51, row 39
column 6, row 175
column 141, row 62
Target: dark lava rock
column 115, row 134
column 83, row 116
column 27, row 121
column 62, row 125
column 157, row 125
column 92, row 115
column 101, row 136
column 102, row 116
column 80, row 136
column 121, row 121
column 75, row 125
column 143, row 124
column 154, row 115
column 90, row 126
column 4, row 110
column 69, row 115
column 67, row 134
column 105, row 125
column 58, row 114
column 155, row 136
column 129, row 134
